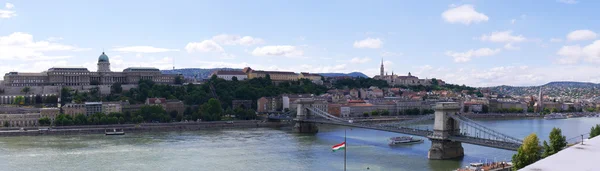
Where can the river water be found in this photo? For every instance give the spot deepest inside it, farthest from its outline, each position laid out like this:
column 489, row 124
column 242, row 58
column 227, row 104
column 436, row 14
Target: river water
column 256, row 149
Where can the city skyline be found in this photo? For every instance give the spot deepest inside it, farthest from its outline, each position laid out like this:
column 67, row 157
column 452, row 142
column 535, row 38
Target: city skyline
column 462, row 42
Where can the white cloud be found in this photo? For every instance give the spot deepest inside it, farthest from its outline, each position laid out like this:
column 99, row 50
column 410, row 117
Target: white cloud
column 386, row 54
column 204, row 46
column 388, row 63
column 368, row 43
column 572, row 54
column 227, row 39
column 464, row 14
column 280, row 50
column 567, row 1
column 9, row 6
column 581, row 35
column 143, row 49
column 21, row 46
column 7, row 12
column 513, row 21
column 502, row 37
column 466, row 56
column 509, row 46
column 227, row 56
column 555, row 40
column 358, row 60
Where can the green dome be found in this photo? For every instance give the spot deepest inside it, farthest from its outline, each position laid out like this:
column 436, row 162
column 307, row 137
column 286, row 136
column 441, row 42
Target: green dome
column 103, row 58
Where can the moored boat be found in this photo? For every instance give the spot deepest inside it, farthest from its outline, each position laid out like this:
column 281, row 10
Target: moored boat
column 114, row 132
column 404, row 140
column 555, row 116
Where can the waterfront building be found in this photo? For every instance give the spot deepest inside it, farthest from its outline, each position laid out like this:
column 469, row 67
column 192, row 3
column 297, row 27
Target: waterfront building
column 111, row 107
column 20, row 120
column 175, row 105
column 80, row 76
column 228, row 75
column 93, row 108
column 49, row 113
column 73, row 109
column 244, row 104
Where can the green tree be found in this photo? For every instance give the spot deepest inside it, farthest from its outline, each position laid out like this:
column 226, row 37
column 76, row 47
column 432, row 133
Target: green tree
column 557, row 142
column 45, row 121
column 366, row 114
column 19, row 100
column 65, row 96
column 116, row 88
column 527, row 153
column 179, row 80
column 234, row 78
column 595, row 131
column 6, row 124
column 484, row 109
column 26, row 90
column 211, row 110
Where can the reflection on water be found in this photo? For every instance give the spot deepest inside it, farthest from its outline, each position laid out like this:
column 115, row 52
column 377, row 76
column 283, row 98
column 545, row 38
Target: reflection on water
column 255, row 149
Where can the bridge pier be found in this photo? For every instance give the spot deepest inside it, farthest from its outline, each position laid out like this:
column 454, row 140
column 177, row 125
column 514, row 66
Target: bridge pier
column 302, row 114
column 444, row 126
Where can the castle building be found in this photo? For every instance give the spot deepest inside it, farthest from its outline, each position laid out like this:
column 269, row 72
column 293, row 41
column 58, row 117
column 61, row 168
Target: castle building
column 79, row 76
column 410, row 80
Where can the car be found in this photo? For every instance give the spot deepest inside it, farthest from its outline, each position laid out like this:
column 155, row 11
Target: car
column 230, row 122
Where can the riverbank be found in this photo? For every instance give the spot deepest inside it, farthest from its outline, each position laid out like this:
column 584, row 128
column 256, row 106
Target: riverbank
column 133, row 128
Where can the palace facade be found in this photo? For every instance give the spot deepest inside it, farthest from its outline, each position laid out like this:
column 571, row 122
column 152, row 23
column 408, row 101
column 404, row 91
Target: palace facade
column 79, row 76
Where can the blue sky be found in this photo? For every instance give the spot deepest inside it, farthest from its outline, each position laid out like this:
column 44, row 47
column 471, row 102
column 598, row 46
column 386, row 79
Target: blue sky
column 473, row 42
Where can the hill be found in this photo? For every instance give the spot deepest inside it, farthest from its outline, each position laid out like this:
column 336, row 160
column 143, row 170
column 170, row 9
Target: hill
column 201, row 73
column 563, row 89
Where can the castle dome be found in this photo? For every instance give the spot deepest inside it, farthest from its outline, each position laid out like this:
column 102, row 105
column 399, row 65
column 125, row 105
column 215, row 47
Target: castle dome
column 103, row 58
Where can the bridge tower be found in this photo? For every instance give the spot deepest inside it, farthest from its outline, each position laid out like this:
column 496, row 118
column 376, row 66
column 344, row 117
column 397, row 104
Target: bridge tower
column 443, row 127
column 302, row 114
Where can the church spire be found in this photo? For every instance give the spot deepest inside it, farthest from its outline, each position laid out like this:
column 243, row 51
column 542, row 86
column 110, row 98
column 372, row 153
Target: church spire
column 381, row 69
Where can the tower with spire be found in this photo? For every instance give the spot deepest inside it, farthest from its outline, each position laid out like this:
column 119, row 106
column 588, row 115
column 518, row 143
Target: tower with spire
column 103, row 63
column 381, row 69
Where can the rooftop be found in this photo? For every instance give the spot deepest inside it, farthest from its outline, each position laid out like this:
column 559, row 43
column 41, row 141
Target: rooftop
column 228, row 72
column 578, row 157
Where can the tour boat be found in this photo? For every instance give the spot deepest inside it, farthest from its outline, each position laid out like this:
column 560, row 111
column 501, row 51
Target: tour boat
column 555, row 116
column 114, row 132
column 404, row 140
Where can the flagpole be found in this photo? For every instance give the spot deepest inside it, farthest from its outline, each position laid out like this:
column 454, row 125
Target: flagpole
column 346, row 147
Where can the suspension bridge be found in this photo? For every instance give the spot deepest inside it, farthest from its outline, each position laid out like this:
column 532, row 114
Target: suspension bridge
column 448, row 131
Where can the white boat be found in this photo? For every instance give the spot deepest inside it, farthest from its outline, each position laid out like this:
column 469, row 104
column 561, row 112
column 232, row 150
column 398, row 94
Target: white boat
column 114, row 132
column 404, row 140
column 555, row 116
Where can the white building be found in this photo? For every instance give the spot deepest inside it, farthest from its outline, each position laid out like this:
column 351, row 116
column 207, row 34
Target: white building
column 228, row 75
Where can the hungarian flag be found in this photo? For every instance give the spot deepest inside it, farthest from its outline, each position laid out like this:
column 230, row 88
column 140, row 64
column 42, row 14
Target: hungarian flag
column 339, row 147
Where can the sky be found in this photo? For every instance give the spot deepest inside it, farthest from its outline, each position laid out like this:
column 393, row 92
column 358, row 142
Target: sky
column 473, row 42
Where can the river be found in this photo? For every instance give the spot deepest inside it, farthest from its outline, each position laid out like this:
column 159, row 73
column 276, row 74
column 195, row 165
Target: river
column 256, row 149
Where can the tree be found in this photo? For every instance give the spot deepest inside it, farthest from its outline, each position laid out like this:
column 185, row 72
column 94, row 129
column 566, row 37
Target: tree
column 595, row 131
column 19, row 100
column 366, row 114
column 178, row 80
column 234, row 78
column 65, row 96
column 557, row 142
column 527, row 153
column 211, row 110
column 45, row 121
column 116, row 88
column 173, row 113
column 6, row 124
column 26, row 90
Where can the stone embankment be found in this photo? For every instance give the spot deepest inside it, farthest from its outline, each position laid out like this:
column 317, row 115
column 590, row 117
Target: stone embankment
column 129, row 128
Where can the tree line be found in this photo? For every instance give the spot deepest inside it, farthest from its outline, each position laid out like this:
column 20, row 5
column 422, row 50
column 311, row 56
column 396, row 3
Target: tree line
column 209, row 111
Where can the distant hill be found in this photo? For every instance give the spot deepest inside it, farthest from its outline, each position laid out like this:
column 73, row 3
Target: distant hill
column 202, row 73
column 572, row 89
